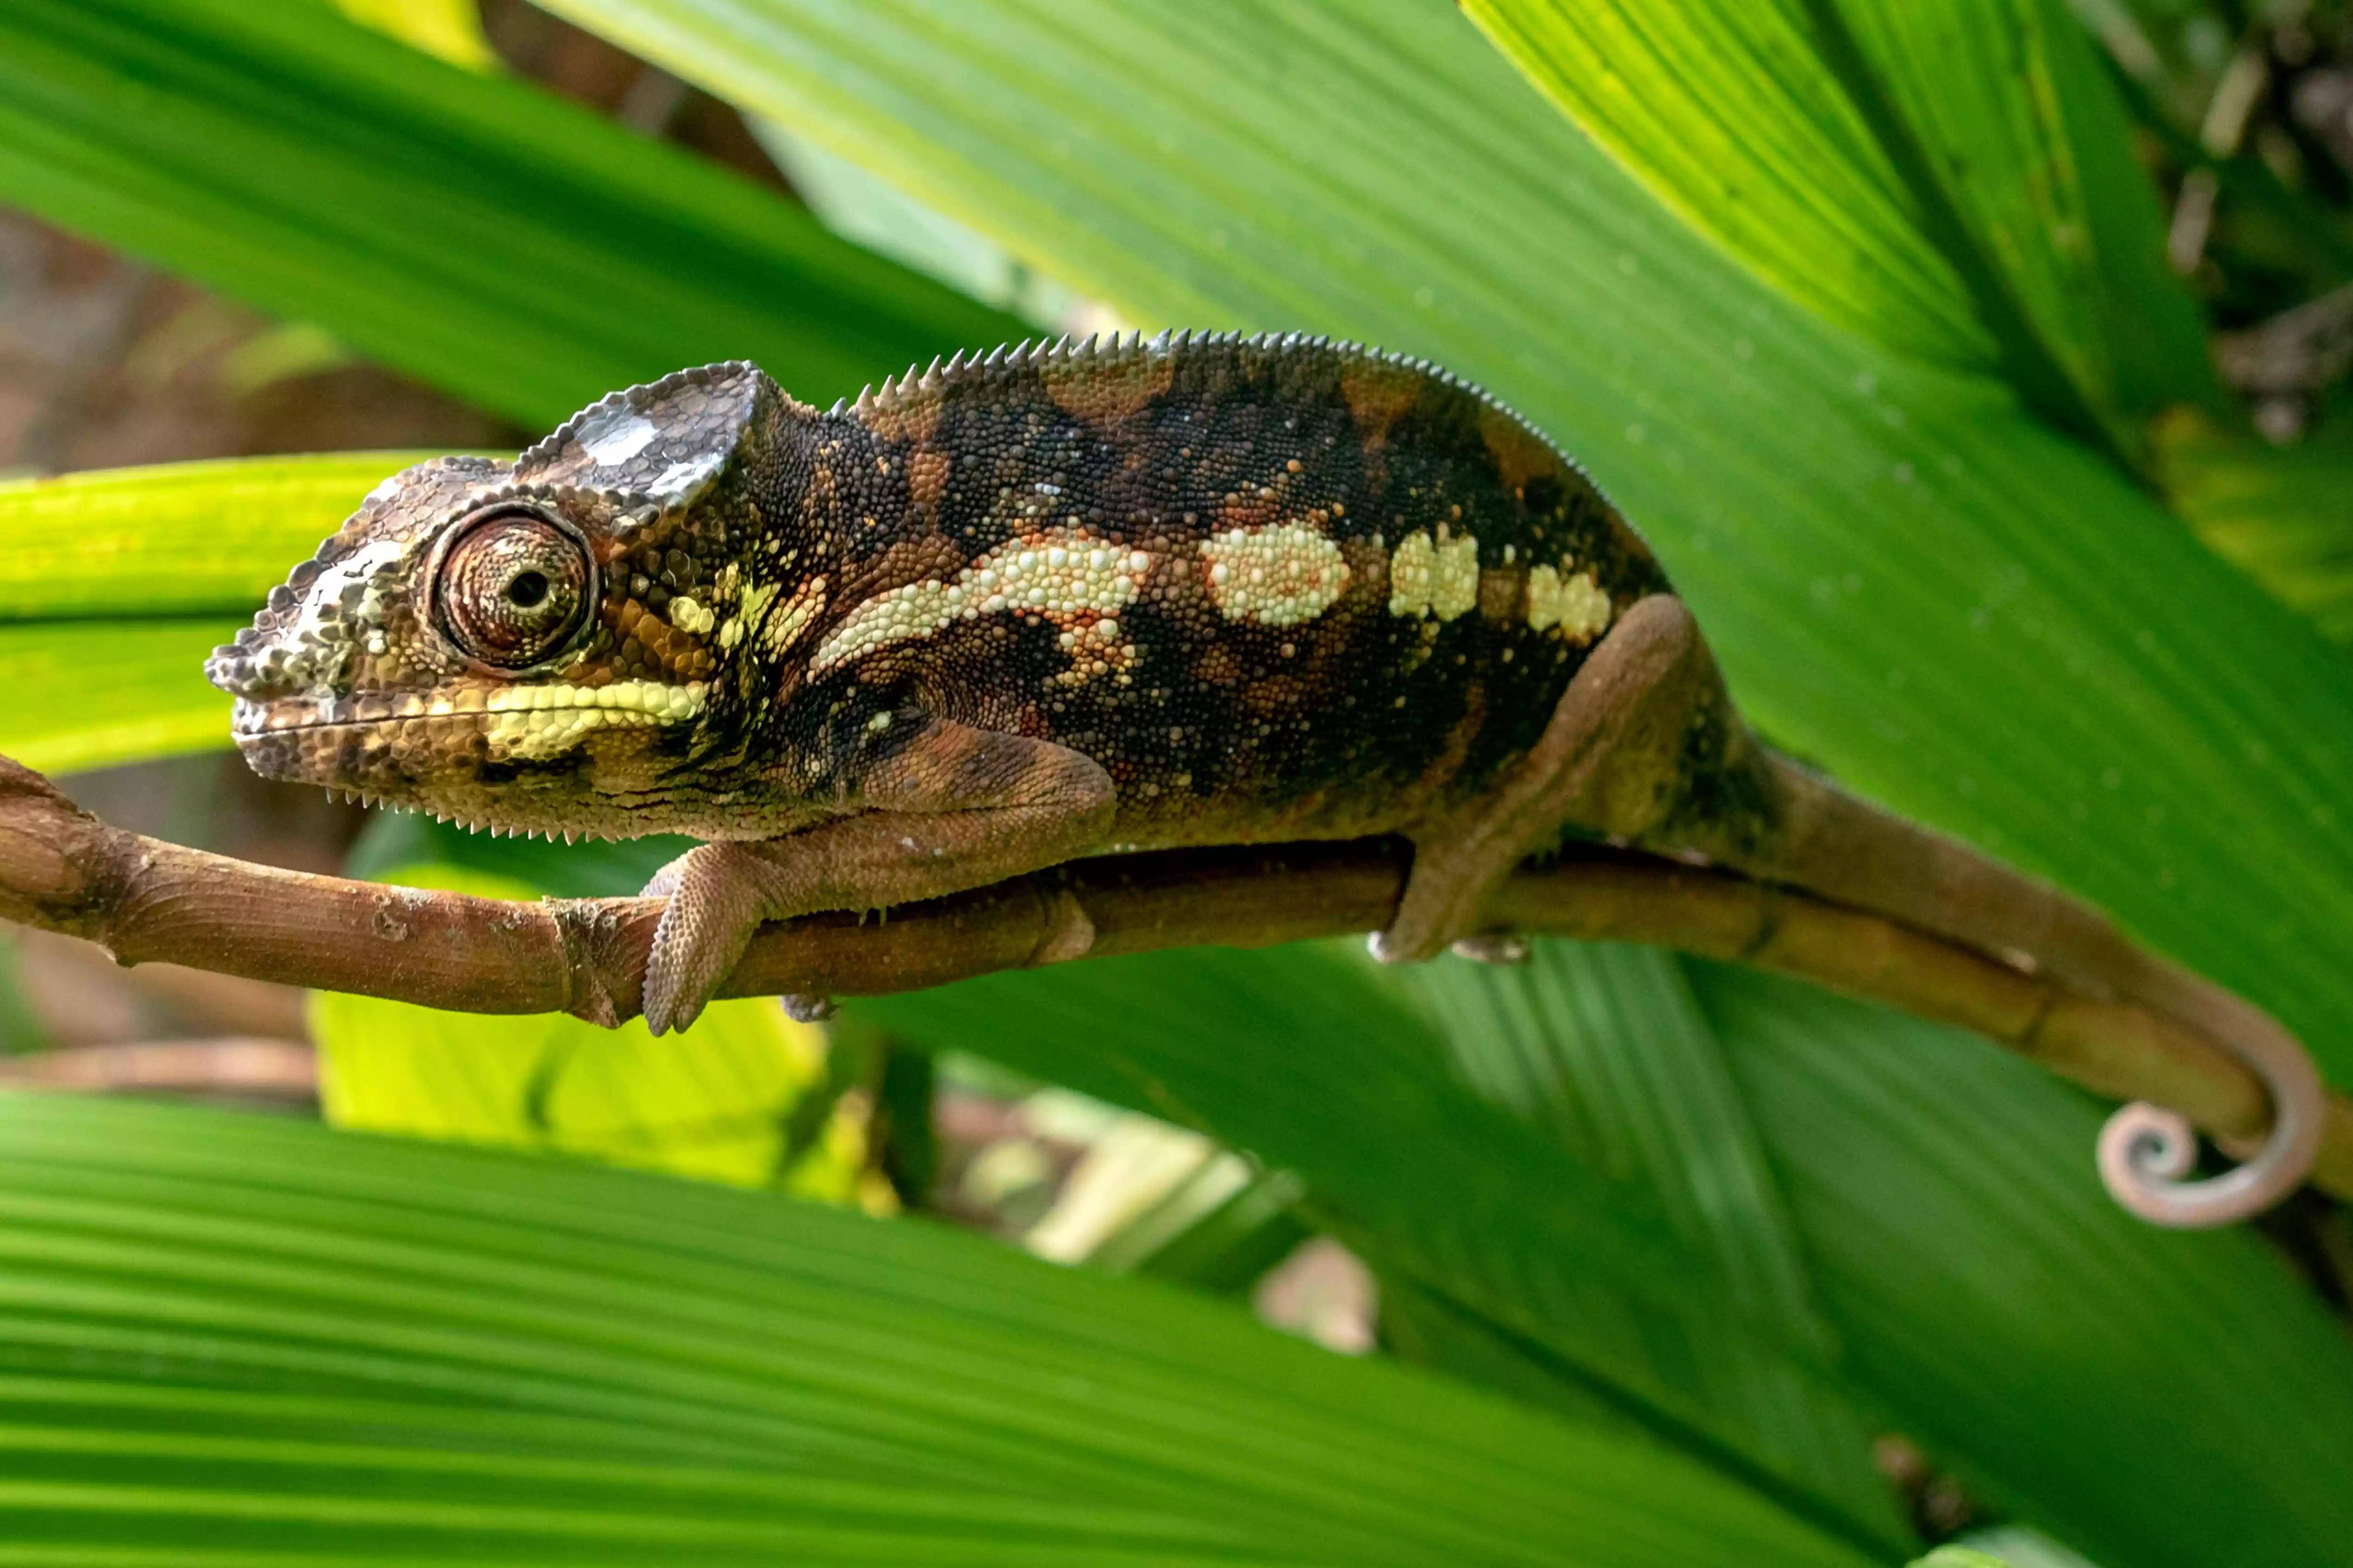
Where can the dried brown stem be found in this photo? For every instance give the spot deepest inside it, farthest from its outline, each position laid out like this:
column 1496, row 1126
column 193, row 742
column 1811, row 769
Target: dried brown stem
column 145, row 899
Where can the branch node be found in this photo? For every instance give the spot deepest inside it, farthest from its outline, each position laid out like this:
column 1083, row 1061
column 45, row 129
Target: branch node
column 587, row 929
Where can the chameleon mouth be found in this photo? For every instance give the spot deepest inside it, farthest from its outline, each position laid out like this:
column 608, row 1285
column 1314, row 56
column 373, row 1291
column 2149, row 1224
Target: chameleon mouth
column 623, row 704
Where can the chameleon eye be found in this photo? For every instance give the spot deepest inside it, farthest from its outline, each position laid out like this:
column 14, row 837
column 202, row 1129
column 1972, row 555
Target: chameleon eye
column 513, row 588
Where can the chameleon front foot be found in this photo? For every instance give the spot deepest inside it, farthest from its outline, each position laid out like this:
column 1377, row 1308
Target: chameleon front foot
column 954, row 808
column 718, row 898
column 720, row 894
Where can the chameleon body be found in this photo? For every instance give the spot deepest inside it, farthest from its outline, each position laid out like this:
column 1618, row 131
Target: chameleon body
column 1277, row 590
column 1052, row 602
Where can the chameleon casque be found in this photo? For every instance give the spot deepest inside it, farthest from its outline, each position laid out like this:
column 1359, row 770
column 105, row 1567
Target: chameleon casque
column 1063, row 600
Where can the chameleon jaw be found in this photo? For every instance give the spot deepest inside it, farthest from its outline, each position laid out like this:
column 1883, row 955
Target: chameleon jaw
column 441, row 750
column 644, row 702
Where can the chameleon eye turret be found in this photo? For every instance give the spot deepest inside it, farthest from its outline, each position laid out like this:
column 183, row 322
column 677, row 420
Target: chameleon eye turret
column 1020, row 608
column 513, row 588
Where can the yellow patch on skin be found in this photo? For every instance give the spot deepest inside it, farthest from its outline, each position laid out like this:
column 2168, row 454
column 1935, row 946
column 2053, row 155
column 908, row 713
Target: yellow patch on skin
column 658, row 700
column 533, row 724
column 1574, row 604
column 1065, row 576
column 749, row 610
column 1439, row 578
column 691, row 618
column 1278, row 577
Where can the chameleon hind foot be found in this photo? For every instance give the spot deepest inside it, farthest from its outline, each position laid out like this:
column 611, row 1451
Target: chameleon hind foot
column 1609, row 760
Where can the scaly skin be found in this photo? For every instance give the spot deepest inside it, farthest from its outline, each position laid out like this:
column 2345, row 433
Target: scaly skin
column 751, row 595
column 1054, row 601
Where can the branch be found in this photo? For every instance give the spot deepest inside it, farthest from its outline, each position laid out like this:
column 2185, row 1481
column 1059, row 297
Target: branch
column 63, row 869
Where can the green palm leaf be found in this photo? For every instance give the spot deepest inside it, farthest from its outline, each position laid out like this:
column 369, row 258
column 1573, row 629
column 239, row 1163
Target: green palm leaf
column 114, row 585
column 1984, row 1287
column 236, row 1340
column 1955, row 180
column 481, row 233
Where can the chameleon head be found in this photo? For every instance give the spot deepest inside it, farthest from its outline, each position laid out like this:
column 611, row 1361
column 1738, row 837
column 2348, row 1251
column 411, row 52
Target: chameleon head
column 529, row 646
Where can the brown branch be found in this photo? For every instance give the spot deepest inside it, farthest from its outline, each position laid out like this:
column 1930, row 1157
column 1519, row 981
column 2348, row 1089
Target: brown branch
column 145, row 899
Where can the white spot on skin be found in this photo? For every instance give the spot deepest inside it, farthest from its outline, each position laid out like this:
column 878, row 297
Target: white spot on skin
column 1064, row 576
column 683, row 482
column 615, row 436
column 1574, row 604
column 1277, row 575
column 1441, row 579
column 310, row 653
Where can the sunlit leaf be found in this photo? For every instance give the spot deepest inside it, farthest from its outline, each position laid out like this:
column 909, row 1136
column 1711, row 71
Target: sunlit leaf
column 1732, row 116
column 2019, row 127
column 175, row 539
column 714, row 1101
column 613, row 868
column 2284, row 514
column 89, row 694
column 115, row 584
column 450, row 30
column 1952, row 180
column 2010, row 1546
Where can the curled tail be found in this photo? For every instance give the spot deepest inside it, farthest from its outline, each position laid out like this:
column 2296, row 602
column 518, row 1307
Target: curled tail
column 1711, row 786
column 1808, row 833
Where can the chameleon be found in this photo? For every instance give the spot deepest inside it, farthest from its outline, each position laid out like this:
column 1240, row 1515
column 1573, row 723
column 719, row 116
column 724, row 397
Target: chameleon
column 1062, row 600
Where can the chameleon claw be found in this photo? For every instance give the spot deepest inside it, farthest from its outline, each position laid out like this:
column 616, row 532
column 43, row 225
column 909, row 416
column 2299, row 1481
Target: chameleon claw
column 1493, row 947
column 804, row 1008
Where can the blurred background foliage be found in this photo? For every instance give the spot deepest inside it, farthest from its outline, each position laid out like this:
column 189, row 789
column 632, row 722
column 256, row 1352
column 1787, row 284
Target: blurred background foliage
column 1981, row 369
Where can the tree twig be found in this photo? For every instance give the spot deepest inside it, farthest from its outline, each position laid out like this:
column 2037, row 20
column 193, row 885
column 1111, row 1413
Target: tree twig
column 64, row 869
